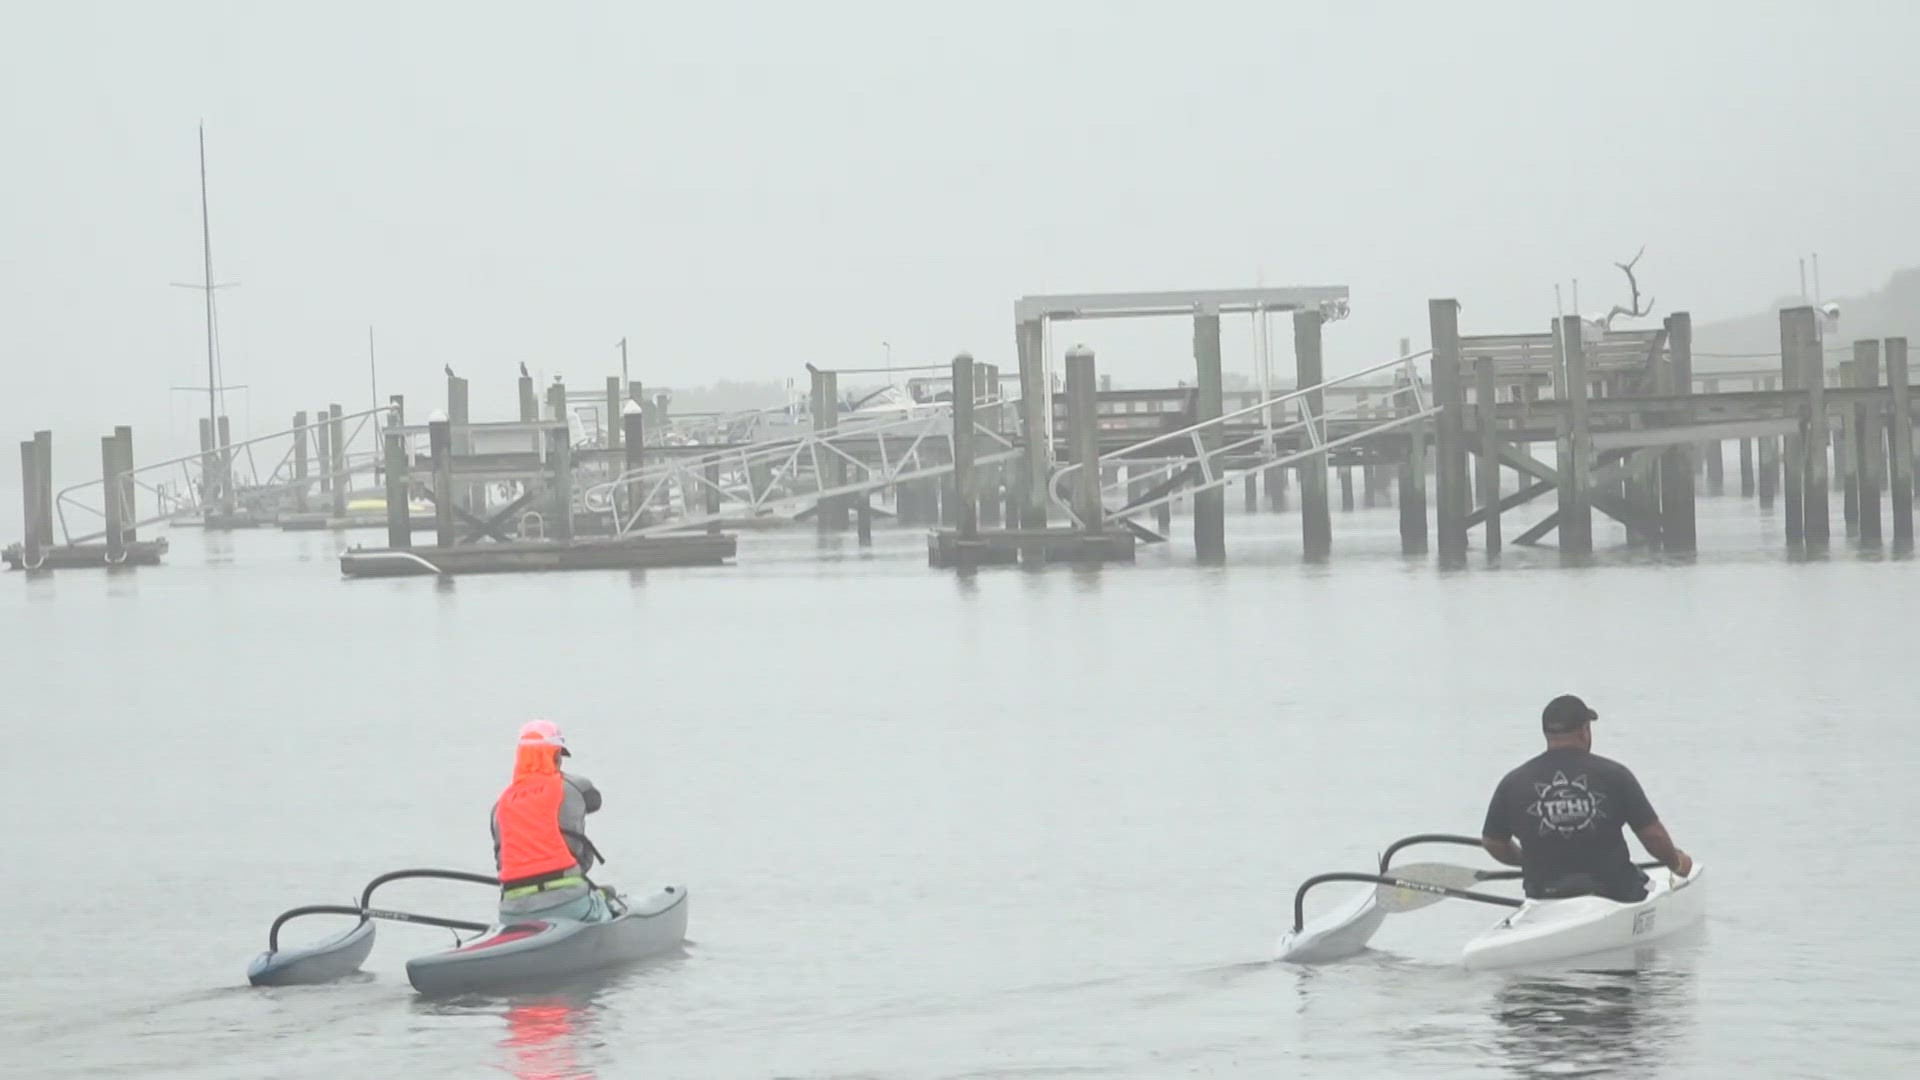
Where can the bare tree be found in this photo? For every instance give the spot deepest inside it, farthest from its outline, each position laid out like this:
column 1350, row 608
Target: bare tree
column 1636, row 311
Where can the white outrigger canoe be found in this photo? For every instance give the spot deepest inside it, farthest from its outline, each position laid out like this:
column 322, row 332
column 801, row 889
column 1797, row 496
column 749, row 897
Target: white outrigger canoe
column 1537, row 932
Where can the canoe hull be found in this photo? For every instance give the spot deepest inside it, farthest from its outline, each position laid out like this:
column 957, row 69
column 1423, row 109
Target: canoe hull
column 1551, row 931
column 538, row 951
column 1340, row 933
column 324, row 961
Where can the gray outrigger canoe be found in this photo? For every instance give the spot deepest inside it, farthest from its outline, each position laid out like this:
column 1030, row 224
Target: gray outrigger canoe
column 528, row 952
column 536, row 951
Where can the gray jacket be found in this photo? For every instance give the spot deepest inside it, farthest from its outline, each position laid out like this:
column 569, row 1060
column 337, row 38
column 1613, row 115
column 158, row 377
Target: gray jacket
column 581, row 798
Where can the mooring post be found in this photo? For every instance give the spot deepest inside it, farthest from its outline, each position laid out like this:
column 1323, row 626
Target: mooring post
column 830, row 515
column 612, row 433
column 300, row 461
column 1036, row 402
column 1576, row 511
column 1209, row 506
column 1769, row 453
column 1083, row 434
column 1678, row 522
column 1450, row 468
column 1251, row 493
column 209, row 469
column 967, row 515
column 633, row 439
column 339, row 465
column 1484, row 400
column 30, row 502
column 1846, row 452
column 562, row 462
column 1900, row 444
column 129, row 491
column 110, row 498
column 440, row 446
column 1370, row 460
column 863, row 518
column 1413, row 468
column 1746, row 468
column 529, row 401
column 1816, row 513
column 1794, row 458
column 323, row 452
column 1309, row 374
column 228, row 495
column 1870, row 462
column 711, row 474
column 1716, row 464
column 399, row 512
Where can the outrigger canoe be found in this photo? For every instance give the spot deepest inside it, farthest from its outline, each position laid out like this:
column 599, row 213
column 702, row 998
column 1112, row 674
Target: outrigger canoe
column 528, row 952
column 1537, row 932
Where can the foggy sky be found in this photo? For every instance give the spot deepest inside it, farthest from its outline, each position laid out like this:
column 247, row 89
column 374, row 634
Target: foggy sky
column 740, row 189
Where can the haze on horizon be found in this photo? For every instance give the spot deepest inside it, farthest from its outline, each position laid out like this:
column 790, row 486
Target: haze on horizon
column 741, row 189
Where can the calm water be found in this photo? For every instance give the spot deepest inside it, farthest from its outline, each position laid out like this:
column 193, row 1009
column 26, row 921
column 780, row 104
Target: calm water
column 1014, row 825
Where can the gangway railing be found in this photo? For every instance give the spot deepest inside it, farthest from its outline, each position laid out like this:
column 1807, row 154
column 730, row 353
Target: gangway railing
column 794, row 473
column 1209, row 458
column 201, row 494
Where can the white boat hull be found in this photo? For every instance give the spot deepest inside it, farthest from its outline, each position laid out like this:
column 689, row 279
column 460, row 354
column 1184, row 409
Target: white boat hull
column 1338, row 934
column 1549, row 931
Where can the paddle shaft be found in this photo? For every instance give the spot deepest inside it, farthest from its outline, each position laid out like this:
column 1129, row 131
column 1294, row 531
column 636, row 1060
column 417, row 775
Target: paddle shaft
column 1300, row 897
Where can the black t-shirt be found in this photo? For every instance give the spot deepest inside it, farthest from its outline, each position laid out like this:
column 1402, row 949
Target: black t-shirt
column 1566, row 807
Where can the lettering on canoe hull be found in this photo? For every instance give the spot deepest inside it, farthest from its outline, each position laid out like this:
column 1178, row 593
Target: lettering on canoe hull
column 1643, row 921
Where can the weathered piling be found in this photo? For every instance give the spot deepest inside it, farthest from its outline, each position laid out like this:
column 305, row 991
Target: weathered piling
column 831, row 513
column 1679, row 525
column 1816, row 512
column 1846, row 454
column 110, row 498
column 1769, row 455
column 1489, row 451
column 1716, row 463
column 967, row 514
column 1576, row 510
column 440, row 448
column 1083, row 434
column 1793, row 463
column 1250, row 492
column 36, row 490
column 529, row 401
column 399, row 513
column 1746, row 468
column 1036, row 403
column 1450, row 452
column 614, row 397
column 1309, row 372
column 1870, row 421
column 1346, row 489
column 560, row 460
column 323, row 451
column 863, row 518
column 300, row 461
column 127, row 490
column 1209, row 506
column 338, row 464
column 633, row 438
column 1899, row 444
column 1413, row 472
column 228, row 496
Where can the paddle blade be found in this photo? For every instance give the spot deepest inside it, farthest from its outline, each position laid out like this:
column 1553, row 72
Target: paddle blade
column 1395, row 899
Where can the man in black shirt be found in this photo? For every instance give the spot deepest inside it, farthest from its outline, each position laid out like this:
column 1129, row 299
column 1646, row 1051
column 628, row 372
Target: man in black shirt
column 1566, row 807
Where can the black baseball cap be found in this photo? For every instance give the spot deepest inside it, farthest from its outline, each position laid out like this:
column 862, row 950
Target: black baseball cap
column 1565, row 714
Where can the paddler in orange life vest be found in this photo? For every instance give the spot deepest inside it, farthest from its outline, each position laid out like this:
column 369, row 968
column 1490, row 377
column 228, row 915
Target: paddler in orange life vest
column 540, row 847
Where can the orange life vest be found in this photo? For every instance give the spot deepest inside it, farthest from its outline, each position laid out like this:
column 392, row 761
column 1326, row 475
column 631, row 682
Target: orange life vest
column 528, row 816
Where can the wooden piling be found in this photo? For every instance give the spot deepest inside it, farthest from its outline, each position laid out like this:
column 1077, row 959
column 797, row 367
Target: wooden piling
column 863, row 518
column 1489, row 450
column 1210, row 506
column 1450, row 451
column 1899, row 444
column 560, row 458
column 1716, row 463
column 1678, row 522
column 1309, row 374
column 440, row 447
column 209, row 467
column 633, row 440
column 1412, row 473
column 338, row 427
column 1871, row 447
column 1769, row 454
column 965, row 394
column 300, row 461
column 831, row 514
column 1793, row 463
column 110, row 498
column 1846, row 454
column 399, row 514
column 529, row 401
column 228, row 496
column 129, row 492
column 711, row 474
column 1083, row 434
column 1036, row 405
column 1816, row 512
column 33, row 552
column 1576, row 510
column 1251, row 493
column 1746, row 468
column 611, row 434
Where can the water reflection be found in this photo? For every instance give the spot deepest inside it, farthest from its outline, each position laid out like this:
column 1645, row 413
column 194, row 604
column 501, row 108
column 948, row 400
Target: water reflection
column 544, row 1037
column 1618, row 1022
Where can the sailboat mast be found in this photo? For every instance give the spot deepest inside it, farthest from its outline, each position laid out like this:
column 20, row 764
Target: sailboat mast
column 206, row 249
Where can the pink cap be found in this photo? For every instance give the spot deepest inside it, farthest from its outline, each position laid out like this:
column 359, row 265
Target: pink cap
column 542, row 733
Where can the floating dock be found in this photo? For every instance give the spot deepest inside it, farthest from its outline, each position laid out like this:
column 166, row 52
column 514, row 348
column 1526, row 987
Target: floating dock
column 520, row 556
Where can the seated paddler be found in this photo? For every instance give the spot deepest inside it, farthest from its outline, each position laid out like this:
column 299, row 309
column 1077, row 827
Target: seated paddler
column 540, row 848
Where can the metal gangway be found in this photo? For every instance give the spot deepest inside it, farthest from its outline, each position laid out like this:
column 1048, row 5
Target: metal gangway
column 220, row 480
column 791, row 475
column 1264, row 436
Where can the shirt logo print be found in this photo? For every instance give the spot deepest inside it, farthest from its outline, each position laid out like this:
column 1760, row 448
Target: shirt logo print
column 1566, row 806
